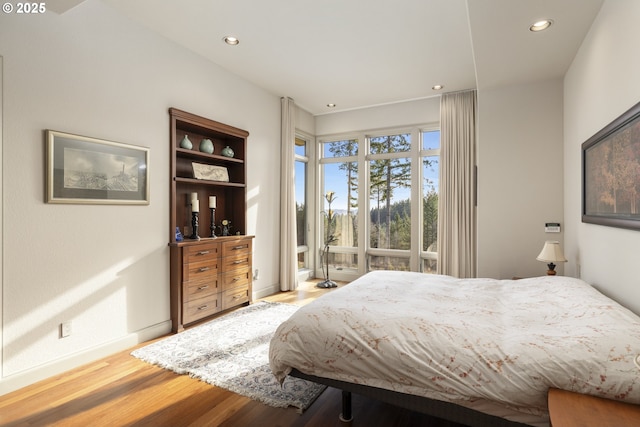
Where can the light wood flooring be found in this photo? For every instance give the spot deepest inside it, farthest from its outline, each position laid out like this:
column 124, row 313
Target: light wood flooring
column 121, row 390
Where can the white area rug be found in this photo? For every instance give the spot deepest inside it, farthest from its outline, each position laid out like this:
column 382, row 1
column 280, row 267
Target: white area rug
column 232, row 352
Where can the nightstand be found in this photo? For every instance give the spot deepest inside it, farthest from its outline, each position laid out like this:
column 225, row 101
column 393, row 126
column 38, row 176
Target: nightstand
column 569, row 409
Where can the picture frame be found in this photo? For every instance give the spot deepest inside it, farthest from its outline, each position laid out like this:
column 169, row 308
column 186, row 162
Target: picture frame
column 210, row 172
column 611, row 173
column 85, row 170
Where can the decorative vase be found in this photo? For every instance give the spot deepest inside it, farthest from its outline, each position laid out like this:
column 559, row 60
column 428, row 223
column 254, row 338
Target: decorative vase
column 227, row 151
column 206, row 146
column 186, row 143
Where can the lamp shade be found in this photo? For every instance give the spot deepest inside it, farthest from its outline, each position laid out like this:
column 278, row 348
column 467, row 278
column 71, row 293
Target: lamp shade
column 551, row 252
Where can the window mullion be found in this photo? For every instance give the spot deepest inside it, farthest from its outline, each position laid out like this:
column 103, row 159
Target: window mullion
column 416, row 201
column 363, row 201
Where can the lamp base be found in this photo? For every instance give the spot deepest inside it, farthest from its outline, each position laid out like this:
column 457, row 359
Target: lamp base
column 327, row 284
column 551, row 271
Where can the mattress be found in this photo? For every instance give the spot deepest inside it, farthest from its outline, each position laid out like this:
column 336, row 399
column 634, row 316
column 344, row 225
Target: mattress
column 497, row 345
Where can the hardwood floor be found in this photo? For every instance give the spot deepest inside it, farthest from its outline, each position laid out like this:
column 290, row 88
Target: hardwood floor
column 121, row 390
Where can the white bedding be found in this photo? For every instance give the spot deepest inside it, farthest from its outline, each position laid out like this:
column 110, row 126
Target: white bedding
column 467, row 341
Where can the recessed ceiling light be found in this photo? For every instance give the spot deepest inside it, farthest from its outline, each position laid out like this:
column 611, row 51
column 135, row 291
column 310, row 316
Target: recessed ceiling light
column 331, row 105
column 540, row 25
column 437, row 87
column 230, row 40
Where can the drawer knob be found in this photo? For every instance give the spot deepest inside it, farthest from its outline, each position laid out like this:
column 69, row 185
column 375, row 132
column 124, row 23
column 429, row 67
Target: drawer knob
column 203, row 287
column 235, row 279
column 236, row 248
column 203, row 252
column 239, row 262
column 203, row 269
column 204, row 307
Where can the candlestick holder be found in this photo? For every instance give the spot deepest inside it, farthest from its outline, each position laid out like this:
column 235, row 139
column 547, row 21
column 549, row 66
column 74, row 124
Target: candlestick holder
column 212, row 227
column 194, row 226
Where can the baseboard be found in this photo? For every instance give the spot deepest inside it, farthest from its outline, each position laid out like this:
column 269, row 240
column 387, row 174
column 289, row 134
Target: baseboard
column 25, row 378
column 265, row 292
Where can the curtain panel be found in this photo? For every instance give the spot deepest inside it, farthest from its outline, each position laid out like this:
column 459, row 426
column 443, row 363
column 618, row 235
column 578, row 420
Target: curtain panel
column 457, row 198
column 288, row 240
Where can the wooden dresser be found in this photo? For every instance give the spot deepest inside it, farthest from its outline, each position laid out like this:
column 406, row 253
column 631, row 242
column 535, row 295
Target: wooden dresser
column 209, row 276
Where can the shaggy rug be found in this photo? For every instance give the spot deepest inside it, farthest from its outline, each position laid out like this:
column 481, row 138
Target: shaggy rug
column 232, row 352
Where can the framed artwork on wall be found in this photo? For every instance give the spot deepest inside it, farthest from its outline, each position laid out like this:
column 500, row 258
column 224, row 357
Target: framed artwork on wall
column 86, row 170
column 611, row 173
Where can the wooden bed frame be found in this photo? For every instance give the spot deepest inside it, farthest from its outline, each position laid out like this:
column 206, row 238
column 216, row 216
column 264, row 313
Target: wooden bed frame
column 445, row 410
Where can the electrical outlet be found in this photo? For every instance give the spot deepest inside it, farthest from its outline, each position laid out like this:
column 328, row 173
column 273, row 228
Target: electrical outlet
column 255, row 275
column 65, row 329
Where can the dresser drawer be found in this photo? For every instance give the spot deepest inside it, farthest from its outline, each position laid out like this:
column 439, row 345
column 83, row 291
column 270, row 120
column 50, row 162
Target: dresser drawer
column 200, row 289
column 206, row 269
column 234, row 297
column 236, row 262
column 201, row 307
column 201, row 252
column 236, row 278
column 235, row 247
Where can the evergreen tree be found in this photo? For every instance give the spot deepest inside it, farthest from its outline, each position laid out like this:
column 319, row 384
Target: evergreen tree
column 430, row 221
column 386, row 176
column 348, row 148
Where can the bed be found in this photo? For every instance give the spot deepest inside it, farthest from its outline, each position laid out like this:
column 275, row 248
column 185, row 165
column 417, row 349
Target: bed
column 474, row 351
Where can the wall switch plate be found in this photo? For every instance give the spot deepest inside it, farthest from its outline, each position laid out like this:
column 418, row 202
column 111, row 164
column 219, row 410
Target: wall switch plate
column 552, row 227
column 65, row 329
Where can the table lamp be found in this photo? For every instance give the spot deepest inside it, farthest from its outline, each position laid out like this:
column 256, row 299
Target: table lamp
column 551, row 253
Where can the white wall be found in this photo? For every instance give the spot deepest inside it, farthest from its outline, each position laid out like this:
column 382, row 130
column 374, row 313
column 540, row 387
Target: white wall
column 1, row 200
column 601, row 84
column 392, row 115
column 105, row 268
column 519, row 167
column 519, row 177
column 305, row 122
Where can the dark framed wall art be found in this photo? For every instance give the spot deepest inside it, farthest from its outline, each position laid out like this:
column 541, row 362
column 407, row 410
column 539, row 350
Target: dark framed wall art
column 86, row 170
column 611, row 173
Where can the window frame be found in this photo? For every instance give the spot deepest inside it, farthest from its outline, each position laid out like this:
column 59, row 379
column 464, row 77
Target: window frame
column 416, row 155
column 307, row 270
column 394, row 253
column 345, row 274
column 427, row 255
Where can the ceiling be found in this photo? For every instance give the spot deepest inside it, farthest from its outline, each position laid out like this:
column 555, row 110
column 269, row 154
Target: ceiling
column 361, row 53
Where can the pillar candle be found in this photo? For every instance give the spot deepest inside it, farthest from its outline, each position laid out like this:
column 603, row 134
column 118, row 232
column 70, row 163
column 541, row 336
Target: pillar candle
column 194, row 196
column 212, row 202
column 195, row 206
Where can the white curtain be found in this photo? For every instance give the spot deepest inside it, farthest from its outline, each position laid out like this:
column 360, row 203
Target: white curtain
column 456, row 204
column 288, row 239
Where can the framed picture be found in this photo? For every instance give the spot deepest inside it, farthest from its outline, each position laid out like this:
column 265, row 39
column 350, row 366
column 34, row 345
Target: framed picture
column 210, row 172
column 87, row 170
column 611, row 173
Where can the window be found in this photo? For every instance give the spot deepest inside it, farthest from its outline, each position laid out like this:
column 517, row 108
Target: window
column 430, row 156
column 339, row 173
column 301, row 166
column 389, row 201
column 386, row 203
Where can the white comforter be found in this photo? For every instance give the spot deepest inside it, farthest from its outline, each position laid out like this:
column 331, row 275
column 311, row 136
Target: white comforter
column 462, row 340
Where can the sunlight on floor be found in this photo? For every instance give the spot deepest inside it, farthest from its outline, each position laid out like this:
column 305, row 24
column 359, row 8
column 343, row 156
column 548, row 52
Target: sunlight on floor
column 306, row 292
